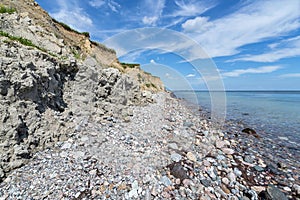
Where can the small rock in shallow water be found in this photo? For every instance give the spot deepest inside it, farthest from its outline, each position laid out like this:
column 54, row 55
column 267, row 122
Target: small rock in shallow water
column 250, row 132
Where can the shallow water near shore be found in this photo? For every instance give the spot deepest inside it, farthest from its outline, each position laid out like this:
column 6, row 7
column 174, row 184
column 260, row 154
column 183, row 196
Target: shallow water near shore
column 273, row 114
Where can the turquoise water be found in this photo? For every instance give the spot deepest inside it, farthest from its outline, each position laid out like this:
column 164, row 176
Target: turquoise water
column 274, row 114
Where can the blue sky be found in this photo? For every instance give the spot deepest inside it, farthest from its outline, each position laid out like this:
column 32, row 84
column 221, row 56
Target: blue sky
column 250, row 44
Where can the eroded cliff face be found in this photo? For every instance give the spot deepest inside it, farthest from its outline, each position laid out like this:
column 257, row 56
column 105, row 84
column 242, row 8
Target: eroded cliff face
column 52, row 81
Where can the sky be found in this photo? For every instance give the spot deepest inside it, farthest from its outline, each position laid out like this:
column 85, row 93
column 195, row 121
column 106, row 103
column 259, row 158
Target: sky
column 197, row 44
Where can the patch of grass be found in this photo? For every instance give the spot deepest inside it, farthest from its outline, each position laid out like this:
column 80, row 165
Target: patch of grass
column 4, row 9
column 130, row 65
column 76, row 54
column 23, row 41
column 65, row 26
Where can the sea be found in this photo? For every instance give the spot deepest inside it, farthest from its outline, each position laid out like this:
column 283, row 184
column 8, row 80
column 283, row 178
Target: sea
column 272, row 114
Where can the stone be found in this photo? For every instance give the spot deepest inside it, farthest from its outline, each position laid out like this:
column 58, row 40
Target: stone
column 250, row 132
column 2, row 174
column 225, row 181
column 133, row 193
column 166, row 181
column 211, row 173
column 274, row 193
column 237, row 172
column 225, row 189
column 176, row 157
column 273, row 168
column 135, row 185
column 249, row 159
column 228, row 151
column 231, row 176
column 66, row 145
column 259, row 168
column 287, row 189
column 206, row 182
column 173, row 146
column 258, row 189
column 187, row 124
column 296, row 188
column 178, row 171
column 220, row 144
column 191, row 156
column 78, row 154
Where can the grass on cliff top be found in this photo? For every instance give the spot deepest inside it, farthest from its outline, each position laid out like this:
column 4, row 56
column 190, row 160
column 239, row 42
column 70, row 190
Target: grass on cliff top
column 130, row 65
column 67, row 27
column 23, row 41
column 4, row 9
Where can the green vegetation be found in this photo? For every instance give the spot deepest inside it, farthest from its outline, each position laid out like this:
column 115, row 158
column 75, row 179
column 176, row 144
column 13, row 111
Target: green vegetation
column 130, row 65
column 23, row 41
column 76, row 54
column 152, row 84
column 148, row 85
column 87, row 34
column 4, row 9
column 67, row 27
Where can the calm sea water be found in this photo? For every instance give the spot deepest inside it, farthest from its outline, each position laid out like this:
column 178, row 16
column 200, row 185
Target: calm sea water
column 275, row 114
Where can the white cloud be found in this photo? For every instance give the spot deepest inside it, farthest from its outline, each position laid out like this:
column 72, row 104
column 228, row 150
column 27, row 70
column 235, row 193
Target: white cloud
column 97, row 3
column 294, row 75
column 260, row 70
column 152, row 61
column 190, row 75
column 71, row 14
column 201, row 23
column 153, row 11
column 114, row 6
column 285, row 49
column 191, row 8
column 150, row 20
column 253, row 23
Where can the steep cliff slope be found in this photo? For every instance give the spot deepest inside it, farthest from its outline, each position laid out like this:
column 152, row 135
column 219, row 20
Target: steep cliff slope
column 53, row 80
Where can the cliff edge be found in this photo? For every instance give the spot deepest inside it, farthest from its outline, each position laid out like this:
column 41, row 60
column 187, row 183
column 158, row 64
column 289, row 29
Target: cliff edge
column 54, row 79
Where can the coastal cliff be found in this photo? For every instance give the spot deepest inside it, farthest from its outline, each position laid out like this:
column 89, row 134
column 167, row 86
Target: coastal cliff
column 75, row 123
column 53, row 79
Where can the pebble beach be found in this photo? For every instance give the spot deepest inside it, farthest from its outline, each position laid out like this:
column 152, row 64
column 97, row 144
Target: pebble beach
column 164, row 150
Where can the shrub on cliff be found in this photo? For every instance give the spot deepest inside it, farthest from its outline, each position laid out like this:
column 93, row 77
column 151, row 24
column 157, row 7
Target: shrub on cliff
column 4, row 9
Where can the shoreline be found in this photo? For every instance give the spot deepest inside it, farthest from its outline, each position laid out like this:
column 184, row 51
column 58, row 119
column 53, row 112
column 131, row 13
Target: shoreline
column 165, row 150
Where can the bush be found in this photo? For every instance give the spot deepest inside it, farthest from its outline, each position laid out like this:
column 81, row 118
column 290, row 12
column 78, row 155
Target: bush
column 4, row 9
column 87, row 34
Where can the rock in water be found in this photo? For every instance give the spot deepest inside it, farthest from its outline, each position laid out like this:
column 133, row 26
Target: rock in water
column 250, row 132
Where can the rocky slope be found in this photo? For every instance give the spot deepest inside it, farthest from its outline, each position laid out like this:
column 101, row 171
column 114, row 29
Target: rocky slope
column 53, row 80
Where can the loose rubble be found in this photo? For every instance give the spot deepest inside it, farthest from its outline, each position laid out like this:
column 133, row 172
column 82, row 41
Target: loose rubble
column 141, row 159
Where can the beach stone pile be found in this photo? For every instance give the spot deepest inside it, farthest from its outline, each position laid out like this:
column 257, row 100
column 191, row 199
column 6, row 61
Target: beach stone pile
column 163, row 150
